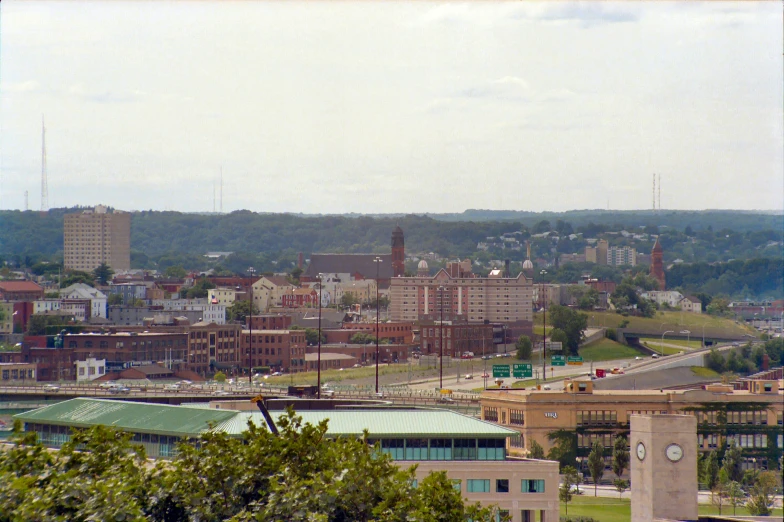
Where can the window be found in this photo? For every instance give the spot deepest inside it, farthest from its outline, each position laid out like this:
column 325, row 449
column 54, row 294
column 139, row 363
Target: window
column 491, row 414
column 502, row 486
column 478, row 486
column 416, row 449
column 516, row 417
column 532, row 486
column 457, row 484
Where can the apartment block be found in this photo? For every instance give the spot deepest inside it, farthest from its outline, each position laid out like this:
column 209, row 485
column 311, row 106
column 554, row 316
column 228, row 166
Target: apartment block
column 496, row 298
column 96, row 236
column 620, row 256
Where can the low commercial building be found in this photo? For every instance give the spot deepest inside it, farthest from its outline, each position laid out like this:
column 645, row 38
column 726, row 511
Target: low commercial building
column 90, row 369
column 126, row 347
column 472, row 452
column 20, row 291
column 17, row 373
column 213, row 346
column 752, row 417
column 329, row 361
column 281, row 350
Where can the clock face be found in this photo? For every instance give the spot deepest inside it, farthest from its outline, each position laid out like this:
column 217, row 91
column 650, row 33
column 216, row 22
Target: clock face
column 641, row 451
column 674, row 452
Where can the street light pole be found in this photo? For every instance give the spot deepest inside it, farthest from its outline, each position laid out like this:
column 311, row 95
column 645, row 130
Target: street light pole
column 544, row 328
column 441, row 342
column 251, row 271
column 661, row 347
column 377, row 261
column 318, row 362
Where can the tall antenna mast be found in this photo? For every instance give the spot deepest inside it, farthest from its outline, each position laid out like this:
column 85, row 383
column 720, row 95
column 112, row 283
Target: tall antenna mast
column 44, row 184
column 213, row 197
column 659, row 191
column 26, row 201
column 654, row 192
column 221, row 192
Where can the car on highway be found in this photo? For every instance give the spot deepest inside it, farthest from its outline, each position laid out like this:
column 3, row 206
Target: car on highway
column 120, row 389
column 220, row 393
column 655, row 356
column 486, row 357
column 469, row 376
column 172, row 387
column 51, row 388
column 108, row 385
column 276, row 374
column 546, row 387
column 485, row 375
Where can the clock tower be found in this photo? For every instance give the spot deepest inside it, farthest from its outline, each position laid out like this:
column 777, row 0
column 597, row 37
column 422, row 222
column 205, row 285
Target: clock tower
column 663, row 454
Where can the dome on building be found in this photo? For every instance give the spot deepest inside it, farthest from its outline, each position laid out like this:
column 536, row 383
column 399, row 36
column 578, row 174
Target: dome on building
column 422, row 265
column 422, row 269
column 527, row 265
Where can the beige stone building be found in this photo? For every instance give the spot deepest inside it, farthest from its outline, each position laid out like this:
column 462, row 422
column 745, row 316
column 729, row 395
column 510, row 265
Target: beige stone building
column 753, row 416
column 96, row 236
column 461, row 295
column 268, row 292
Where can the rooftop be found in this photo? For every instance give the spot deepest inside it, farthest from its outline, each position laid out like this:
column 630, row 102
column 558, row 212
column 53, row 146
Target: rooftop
column 191, row 421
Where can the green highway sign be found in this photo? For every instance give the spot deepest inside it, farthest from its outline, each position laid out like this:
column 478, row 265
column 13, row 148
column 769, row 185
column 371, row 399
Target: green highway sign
column 558, row 360
column 577, row 361
column 501, row 370
column 520, row 371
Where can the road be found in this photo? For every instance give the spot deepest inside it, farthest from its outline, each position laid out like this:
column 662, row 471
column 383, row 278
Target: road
column 703, row 497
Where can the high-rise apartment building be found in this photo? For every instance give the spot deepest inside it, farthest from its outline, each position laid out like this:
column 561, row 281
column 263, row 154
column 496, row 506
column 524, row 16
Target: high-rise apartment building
column 96, row 236
column 618, row 256
column 597, row 254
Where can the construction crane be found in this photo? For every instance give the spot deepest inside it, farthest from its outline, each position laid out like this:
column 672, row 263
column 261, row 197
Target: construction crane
column 259, row 400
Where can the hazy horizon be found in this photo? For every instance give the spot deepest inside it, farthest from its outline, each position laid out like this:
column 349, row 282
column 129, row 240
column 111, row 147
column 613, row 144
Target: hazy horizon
column 392, row 108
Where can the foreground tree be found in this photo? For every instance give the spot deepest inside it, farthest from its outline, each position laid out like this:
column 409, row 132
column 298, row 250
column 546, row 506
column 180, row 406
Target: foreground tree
column 537, row 451
column 596, row 465
column 300, row 475
column 524, row 348
column 762, row 494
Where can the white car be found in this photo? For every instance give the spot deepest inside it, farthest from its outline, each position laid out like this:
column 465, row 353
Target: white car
column 108, row 385
column 220, row 393
column 655, row 356
column 173, row 387
column 51, row 388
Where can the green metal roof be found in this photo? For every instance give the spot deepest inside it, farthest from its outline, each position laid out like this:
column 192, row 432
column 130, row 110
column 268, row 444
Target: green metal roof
column 191, row 421
column 161, row 419
column 384, row 423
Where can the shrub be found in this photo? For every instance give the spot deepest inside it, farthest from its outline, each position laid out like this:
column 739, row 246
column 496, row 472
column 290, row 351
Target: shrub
column 611, row 334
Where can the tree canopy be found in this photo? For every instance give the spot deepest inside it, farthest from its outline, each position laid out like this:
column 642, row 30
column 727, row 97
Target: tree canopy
column 300, row 475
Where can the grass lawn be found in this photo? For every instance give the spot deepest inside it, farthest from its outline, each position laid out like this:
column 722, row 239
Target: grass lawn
column 687, row 345
column 348, row 374
column 608, row 350
column 606, row 509
column 675, row 321
column 704, row 372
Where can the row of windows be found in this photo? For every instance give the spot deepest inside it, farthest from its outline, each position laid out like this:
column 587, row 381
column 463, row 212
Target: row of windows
column 596, row 417
column 17, row 374
column 444, row 449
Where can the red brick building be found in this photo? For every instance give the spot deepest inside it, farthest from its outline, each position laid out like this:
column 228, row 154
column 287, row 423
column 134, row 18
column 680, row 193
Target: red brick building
column 457, row 337
column 213, row 347
column 270, row 322
column 300, row 297
column 20, row 291
column 395, row 332
column 126, row 347
column 281, row 350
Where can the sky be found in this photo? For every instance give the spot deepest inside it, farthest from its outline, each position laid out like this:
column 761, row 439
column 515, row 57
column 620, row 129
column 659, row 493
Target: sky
column 387, row 107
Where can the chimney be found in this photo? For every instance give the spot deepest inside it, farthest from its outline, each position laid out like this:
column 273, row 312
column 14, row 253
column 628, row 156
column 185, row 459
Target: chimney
column 506, row 268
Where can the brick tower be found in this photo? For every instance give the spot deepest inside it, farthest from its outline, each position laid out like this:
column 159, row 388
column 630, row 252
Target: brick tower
column 398, row 253
column 657, row 264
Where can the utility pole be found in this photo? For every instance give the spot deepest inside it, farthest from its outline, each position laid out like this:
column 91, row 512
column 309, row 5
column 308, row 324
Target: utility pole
column 251, row 271
column 441, row 342
column 377, row 261
column 318, row 374
column 544, row 330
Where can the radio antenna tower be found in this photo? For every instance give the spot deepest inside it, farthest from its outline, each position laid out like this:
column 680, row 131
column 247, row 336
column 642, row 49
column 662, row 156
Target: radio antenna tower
column 213, row 197
column 44, row 184
column 26, row 202
column 659, row 191
column 654, row 192
column 221, row 191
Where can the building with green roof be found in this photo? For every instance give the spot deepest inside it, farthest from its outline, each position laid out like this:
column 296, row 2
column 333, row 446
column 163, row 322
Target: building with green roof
column 472, row 451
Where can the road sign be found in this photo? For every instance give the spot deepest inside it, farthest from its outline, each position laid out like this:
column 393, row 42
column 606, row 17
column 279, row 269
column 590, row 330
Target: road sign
column 576, row 361
column 501, row 370
column 558, row 360
column 520, row 371
column 552, row 346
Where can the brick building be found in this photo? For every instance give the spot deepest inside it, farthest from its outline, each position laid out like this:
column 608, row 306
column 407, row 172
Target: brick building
column 462, row 296
column 657, row 264
column 458, row 338
column 126, row 347
column 213, row 347
column 365, row 354
column 399, row 332
column 20, row 291
column 270, row 322
column 281, row 350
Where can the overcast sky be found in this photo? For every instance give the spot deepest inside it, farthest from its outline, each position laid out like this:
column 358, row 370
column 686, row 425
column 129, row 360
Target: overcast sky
column 392, row 107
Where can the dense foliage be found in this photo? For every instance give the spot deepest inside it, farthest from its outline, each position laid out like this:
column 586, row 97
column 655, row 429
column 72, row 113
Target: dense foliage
column 300, row 475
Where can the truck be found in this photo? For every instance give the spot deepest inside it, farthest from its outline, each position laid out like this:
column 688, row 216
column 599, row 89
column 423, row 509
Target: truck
column 600, row 372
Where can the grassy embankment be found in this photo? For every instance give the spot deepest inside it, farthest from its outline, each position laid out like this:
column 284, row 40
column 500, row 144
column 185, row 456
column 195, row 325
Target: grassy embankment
column 675, row 321
column 606, row 509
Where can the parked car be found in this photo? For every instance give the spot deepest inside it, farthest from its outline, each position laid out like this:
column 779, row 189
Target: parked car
column 276, row 374
column 120, row 389
column 109, row 385
column 51, row 388
column 220, row 393
column 173, row 387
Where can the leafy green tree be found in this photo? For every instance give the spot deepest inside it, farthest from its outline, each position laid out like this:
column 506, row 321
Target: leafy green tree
column 718, row 306
column 710, row 471
column 238, row 310
column 564, row 449
column 620, row 486
column 537, row 451
column 199, row 289
column 596, row 464
column 735, row 495
column 733, row 463
column 312, row 337
column 175, row 272
column 115, row 299
column 77, row 276
column 103, row 274
column 761, row 496
column 294, row 276
column 219, row 377
column 565, row 491
column 620, row 457
column 572, row 323
column 348, row 300
column 38, row 323
column 524, row 348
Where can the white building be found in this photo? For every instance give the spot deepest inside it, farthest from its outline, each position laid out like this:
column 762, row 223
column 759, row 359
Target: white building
column 42, row 306
column 90, row 369
column 82, row 291
column 211, row 313
column 224, row 296
column 669, row 297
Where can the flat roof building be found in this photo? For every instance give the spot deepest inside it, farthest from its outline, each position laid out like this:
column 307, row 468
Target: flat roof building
column 93, row 237
column 472, row 452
